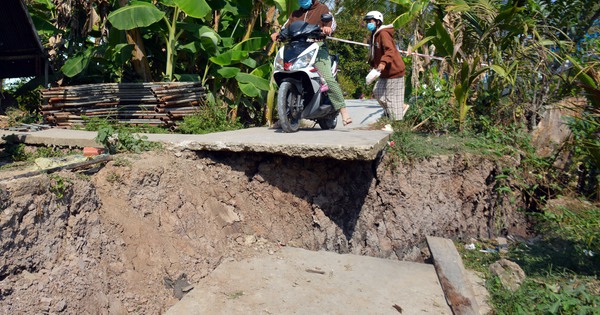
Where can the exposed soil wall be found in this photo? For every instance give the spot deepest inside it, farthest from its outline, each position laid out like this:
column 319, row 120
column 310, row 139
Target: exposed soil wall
column 111, row 241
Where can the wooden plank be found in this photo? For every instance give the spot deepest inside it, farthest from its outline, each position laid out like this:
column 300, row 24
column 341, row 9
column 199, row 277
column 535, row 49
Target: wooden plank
column 452, row 276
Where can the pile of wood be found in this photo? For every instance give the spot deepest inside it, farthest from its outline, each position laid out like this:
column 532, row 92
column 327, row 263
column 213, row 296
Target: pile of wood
column 151, row 104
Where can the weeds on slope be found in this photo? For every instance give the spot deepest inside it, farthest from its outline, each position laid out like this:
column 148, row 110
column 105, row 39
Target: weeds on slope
column 562, row 264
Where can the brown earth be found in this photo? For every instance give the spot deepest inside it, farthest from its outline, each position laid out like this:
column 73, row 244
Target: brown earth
column 116, row 242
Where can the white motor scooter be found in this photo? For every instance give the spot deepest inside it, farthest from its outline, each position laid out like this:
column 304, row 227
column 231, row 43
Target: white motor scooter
column 302, row 91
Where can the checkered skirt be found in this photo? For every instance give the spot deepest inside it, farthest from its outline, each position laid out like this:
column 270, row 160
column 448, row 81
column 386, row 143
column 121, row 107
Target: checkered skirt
column 390, row 95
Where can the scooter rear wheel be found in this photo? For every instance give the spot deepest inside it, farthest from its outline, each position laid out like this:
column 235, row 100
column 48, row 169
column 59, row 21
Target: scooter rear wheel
column 287, row 96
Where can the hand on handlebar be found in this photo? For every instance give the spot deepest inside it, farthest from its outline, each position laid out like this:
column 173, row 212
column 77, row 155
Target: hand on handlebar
column 274, row 36
column 326, row 30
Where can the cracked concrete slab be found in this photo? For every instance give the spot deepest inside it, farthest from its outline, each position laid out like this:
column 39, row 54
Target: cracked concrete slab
column 352, row 142
column 299, row 281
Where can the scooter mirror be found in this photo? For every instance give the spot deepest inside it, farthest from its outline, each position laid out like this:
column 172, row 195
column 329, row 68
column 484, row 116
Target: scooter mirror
column 326, row 17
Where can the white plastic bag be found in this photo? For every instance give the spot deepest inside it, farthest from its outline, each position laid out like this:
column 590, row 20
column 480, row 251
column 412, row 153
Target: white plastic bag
column 373, row 75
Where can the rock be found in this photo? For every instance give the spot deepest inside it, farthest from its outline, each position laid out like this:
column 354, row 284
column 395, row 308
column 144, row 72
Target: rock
column 511, row 275
column 60, row 306
column 552, row 131
column 502, row 242
column 224, row 214
column 249, row 240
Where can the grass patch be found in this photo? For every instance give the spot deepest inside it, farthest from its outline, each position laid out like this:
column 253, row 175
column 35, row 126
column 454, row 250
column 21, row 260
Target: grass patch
column 406, row 145
column 562, row 265
column 210, row 119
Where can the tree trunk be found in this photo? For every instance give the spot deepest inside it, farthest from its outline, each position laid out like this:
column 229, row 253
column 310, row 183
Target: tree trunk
column 216, row 21
column 252, row 20
column 138, row 59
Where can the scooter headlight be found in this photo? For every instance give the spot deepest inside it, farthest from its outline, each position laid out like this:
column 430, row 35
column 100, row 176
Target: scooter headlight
column 278, row 62
column 303, row 61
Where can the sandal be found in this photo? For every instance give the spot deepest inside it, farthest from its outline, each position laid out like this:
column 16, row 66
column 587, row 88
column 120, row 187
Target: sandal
column 347, row 121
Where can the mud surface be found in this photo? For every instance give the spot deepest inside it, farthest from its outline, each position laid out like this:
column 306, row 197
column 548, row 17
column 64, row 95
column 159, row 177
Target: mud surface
column 128, row 238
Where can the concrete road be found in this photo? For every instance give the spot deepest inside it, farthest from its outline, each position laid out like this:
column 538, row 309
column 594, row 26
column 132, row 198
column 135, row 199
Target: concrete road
column 352, row 142
column 363, row 113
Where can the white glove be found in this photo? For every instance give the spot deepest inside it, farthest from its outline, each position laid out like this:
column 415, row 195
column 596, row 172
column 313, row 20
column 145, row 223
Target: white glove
column 373, row 75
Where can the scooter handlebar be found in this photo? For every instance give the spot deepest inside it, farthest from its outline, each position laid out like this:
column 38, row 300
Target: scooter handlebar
column 282, row 38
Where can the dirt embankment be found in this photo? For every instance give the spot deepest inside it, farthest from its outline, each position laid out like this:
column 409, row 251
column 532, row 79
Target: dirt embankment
column 107, row 244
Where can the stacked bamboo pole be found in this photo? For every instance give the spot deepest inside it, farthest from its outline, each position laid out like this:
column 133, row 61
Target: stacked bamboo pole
column 153, row 104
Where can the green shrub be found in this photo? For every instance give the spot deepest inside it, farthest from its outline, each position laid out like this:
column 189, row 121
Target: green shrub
column 207, row 120
column 122, row 140
column 431, row 106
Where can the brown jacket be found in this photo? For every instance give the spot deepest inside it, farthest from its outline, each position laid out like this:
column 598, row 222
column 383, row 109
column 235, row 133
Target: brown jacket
column 311, row 15
column 383, row 50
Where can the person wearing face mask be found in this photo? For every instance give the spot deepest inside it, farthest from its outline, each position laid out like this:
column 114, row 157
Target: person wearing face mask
column 384, row 56
column 310, row 12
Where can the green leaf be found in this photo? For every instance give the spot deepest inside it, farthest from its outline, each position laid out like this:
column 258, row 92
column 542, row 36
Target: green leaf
column 228, row 72
column 46, row 3
column 248, row 89
column 499, row 70
column 168, row 3
column 257, row 81
column 263, row 71
column 252, row 44
column 122, row 52
column 442, row 39
column 137, row 14
column 422, row 42
column 402, row 19
column 194, row 8
column 402, row 2
column 458, row 6
column 191, row 47
column 251, row 63
column 43, row 26
column 75, row 65
column 229, row 57
column 228, row 42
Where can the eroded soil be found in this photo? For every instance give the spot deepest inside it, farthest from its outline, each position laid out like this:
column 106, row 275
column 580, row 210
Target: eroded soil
column 116, row 241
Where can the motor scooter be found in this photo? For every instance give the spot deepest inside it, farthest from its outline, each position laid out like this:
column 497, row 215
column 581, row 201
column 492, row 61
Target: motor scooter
column 302, row 90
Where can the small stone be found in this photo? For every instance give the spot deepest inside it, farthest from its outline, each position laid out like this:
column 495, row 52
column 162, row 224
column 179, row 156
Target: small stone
column 249, row 240
column 511, row 275
column 60, row 306
column 502, row 242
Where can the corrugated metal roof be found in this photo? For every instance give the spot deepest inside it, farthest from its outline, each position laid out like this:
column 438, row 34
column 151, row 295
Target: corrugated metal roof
column 21, row 52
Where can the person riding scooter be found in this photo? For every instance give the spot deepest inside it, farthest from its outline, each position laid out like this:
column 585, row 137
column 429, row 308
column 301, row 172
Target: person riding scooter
column 310, row 12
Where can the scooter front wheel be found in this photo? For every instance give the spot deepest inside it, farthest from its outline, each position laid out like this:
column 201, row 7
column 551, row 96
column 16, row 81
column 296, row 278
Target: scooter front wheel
column 287, row 97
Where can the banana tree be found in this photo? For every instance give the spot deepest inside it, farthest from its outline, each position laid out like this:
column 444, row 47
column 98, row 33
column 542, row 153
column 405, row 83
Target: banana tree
column 236, row 63
column 139, row 14
column 279, row 11
column 587, row 77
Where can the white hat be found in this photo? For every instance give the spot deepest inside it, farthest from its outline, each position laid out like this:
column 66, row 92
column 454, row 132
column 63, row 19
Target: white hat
column 376, row 15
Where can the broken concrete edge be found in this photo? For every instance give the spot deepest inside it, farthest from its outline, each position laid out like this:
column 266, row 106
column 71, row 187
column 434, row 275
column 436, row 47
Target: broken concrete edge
column 339, row 152
column 32, row 139
column 363, row 153
column 452, row 276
